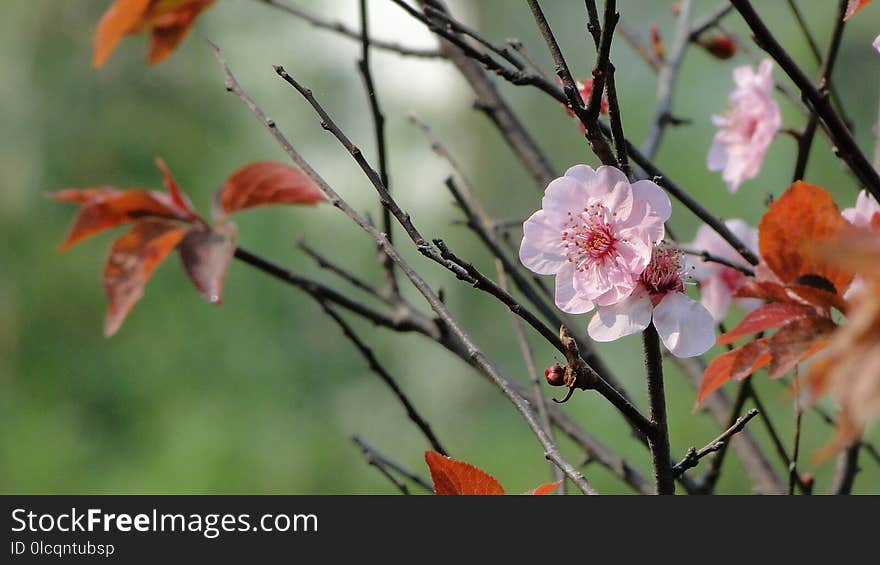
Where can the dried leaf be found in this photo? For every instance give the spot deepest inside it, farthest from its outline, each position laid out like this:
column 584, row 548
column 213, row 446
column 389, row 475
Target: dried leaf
column 750, row 357
column 716, row 374
column 170, row 28
column 121, row 18
column 546, row 488
column 111, row 209
column 180, row 200
column 206, row 254
column 797, row 341
column 854, row 6
column 133, row 258
column 266, row 183
column 452, row 477
column 764, row 318
column 804, row 216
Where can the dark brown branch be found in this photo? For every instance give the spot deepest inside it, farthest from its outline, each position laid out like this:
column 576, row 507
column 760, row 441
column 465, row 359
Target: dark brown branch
column 345, row 31
column 458, row 27
column 709, row 21
column 805, row 139
column 693, row 456
column 386, row 377
column 710, row 258
column 846, row 469
column 385, row 465
column 846, row 147
column 344, row 274
column 776, row 439
column 381, row 143
column 658, row 440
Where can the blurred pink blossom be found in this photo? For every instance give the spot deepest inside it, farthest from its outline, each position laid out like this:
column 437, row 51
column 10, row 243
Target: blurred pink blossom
column 747, row 128
column 719, row 282
column 595, row 232
column 865, row 214
column 686, row 328
column 876, row 43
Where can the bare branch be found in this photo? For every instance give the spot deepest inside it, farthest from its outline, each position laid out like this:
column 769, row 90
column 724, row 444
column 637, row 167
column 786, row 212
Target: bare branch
column 385, row 465
column 693, row 456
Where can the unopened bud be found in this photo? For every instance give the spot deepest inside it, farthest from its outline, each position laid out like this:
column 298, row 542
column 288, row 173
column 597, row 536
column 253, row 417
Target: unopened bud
column 555, row 375
column 720, row 46
column 807, row 479
column 657, row 43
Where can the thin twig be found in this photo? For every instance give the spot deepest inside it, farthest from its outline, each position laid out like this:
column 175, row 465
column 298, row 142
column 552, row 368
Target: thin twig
column 477, row 358
column 798, row 416
column 381, row 145
column 667, row 79
column 384, row 464
column 710, row 258
column 846, row 469
column 343, row 273
column 345, row 31
column 386, row 377
column 693, row 456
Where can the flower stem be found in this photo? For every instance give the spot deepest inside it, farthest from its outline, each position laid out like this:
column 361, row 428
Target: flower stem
column 658, row 441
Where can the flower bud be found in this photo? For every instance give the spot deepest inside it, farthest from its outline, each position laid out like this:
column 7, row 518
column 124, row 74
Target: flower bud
column 721, row 46
column 555, row 375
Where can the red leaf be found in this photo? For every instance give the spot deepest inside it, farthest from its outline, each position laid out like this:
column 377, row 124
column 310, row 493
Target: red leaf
column 803, row 217
column 85, row 195
column 105, row 208
column 452, row 477
column 854, row 6
column 751, row 357
column 546, row 488
column 716, row 374
column 179, row 199
column 206, row 255
column 265, row 183
column 763, row 318
column 172, row 27
column 132, row 260
column 120, row 18
column 797, row 341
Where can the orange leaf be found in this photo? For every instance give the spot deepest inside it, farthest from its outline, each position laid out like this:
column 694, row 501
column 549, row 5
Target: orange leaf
column 264, row 183
column 796, row 341
column 171, row 28
column 453, row 477
column 752, row 356
column 206, row 255
column 546, row 488
column 854, row 6
column 132, row 260
column 716, row 374
column 764, row 318
column 108, row 209
column 804, row 216
column 179, row 199
column 120, row 18
column 85, row 195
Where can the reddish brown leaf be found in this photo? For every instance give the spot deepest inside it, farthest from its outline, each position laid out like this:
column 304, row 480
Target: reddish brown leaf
column 179, row 199
column 751, row 357
column 206, row 255
column 796, row 341
column 452, row 477
column 764, row 318
column 716, row 374
column 804, row 216
column 85, row 195
column 112, row 209
column 546, row 488
column 133, row 258
column 265, row 183
column 170, row 27
column 120, row 18
column 854, row 6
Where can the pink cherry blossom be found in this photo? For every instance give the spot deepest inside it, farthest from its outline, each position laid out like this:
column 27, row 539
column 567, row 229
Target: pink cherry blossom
column 686, row 328
column 747, row 128
column 865, row 214
column 719, row 282
column 876, row 43
column 595, row 232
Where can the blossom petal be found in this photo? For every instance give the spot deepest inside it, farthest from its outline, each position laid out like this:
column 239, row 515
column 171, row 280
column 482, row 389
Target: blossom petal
column 541, row 250
column 656, row 197
column 568, row 299
column 876, row 43
column 627, row 317
column 564, row 195
column 715, row 297
column 685, row 326
column 583, row 173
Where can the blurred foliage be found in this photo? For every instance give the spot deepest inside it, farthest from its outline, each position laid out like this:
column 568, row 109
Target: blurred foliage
column 262, row 394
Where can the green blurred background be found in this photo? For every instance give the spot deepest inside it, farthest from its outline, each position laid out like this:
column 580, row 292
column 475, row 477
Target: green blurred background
column 262, row 394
